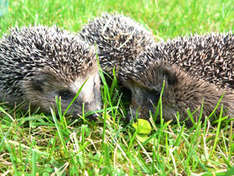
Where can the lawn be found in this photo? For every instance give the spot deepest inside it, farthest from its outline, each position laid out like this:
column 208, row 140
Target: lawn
column 38, row 144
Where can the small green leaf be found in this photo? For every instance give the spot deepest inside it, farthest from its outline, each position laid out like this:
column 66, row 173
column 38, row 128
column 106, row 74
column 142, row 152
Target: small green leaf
column 142, row 138
column 142, row 126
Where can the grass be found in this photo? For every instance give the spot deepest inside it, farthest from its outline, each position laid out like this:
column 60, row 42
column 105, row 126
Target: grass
column 38, row 144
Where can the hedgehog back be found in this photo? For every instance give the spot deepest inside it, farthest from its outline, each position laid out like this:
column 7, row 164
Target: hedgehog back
column 119, row 40
column 209, row 57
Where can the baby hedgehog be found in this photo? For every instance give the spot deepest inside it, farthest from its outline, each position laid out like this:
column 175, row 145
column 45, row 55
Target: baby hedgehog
column 196, row 70
column 39, row 63
column 119, row 40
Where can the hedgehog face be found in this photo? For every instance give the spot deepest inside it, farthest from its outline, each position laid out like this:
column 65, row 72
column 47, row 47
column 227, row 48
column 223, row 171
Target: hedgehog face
column 146, row 91
column 42, row 89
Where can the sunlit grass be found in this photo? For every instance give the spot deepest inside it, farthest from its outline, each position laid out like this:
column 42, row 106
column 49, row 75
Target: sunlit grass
column 35, row 143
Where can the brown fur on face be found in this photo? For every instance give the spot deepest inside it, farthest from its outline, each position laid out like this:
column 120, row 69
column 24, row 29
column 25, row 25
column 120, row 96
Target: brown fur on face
column 181, row 92
column 42, row 89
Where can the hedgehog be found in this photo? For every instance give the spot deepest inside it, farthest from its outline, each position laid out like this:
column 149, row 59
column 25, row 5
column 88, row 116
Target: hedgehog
column 205, row 59
column 38, row 63
column 119, row 40
column 182, row 92
column 197, row 70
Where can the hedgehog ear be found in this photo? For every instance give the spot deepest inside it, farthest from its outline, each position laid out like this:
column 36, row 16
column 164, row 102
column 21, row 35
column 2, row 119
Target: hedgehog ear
column 170, row 75
column 38, row 82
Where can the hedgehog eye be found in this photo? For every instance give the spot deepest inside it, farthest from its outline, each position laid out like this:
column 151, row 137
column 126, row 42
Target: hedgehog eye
column 65, row 94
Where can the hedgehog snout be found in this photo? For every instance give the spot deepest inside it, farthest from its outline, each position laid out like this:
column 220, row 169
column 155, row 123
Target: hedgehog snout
column 143, row 101
column 90, row 94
